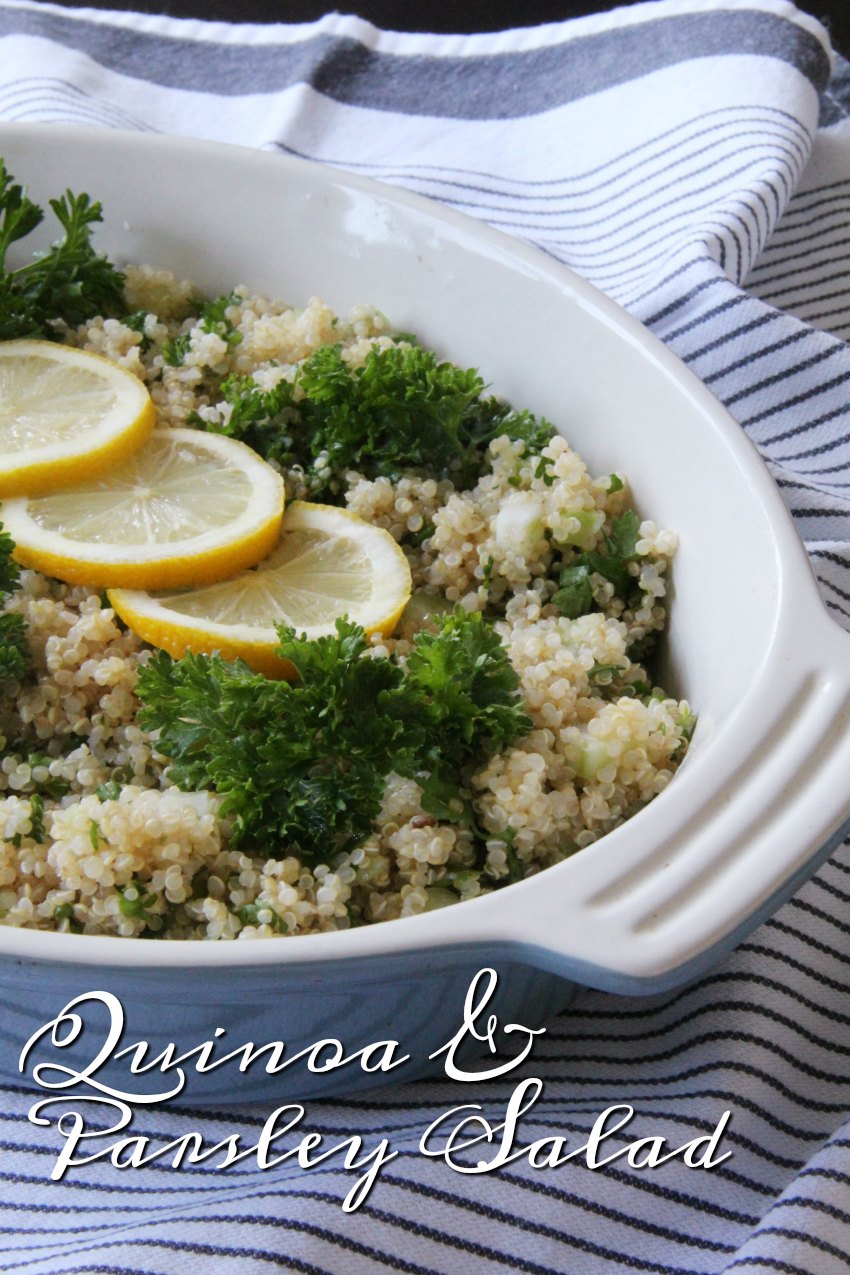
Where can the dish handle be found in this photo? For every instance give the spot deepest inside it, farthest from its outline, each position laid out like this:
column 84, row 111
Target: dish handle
column 728, row 853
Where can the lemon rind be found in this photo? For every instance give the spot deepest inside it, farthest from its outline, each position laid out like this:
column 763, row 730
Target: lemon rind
column 40, row 470
column 152, row 620
column 207, row 558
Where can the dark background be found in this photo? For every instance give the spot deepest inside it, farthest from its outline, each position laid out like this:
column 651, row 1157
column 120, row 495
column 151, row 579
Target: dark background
column 438, row 15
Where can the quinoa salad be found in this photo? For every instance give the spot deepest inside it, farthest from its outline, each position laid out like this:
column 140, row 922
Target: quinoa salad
column 538, row 596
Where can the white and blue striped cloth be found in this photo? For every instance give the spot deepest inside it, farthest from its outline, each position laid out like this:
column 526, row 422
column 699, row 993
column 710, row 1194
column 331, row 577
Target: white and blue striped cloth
column 671, row 153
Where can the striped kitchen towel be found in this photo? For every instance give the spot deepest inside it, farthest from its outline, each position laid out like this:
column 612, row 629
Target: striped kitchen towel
column 691, row 158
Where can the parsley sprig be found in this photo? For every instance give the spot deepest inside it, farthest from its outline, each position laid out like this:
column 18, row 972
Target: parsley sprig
column 301, row 765
column 402, row 408
column 70, row 282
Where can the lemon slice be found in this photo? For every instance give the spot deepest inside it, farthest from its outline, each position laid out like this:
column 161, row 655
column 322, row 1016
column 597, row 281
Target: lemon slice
column 328, row 563
column 186, row 508
column 65, row 415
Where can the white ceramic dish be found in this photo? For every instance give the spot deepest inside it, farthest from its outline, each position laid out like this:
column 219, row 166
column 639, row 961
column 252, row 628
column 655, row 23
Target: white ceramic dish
column 762, row 795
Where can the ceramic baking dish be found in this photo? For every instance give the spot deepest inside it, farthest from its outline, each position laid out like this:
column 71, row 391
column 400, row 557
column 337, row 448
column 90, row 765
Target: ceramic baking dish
column 763, row 793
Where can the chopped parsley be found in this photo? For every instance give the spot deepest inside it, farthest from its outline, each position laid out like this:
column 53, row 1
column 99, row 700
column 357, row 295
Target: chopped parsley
column 65, row 912
column 574, row 597
column 37, row 832
column 213, row 318
column 135, row 901
column 417, row 538
column 604, row 673
column 249, row 915
column 136, row 322
column 110, row 791
column 175, row 349
column 53, row 786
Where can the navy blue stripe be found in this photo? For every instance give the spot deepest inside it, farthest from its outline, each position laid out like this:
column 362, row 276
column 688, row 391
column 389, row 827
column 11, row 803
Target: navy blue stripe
column 818, row 513
column 695, row 1041
column 722, row 117
column 712, row 313
column 832, row 313
column 796, row 289
column 769, row 1264
column 775, row 256
column 748, row 359
column 799, row 206
column 295, row 1264
column 647, row 214
column 801, row 905
column 816, row 1206
column 648, row 171
column 672, row 306
column 840, row 562
column 818, row 883
column 803, row 1237
column 820, row 450
column 574, row 186
column 795, row 431
column 813, row 279
column 804, row 396
column 40, row 91
column 732, row 978
column 659, row 285
column 726, row 1007
column 776, row 924
column 794, row 370
column 493, row 1214
column 817, row 975
column 656, row 192
column 392, row 1262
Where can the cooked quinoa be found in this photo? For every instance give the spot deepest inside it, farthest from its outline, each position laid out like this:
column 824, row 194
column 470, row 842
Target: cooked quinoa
column 97, row 838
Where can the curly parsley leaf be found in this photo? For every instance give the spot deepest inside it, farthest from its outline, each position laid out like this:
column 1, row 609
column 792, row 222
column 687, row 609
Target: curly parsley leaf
column 301, row 766
column 263, row 419
column 466, row 690
column 297, row 765
column 136, row 321
column 489, row 418
column 10, row 572
column 401, row 409
column 14, row 651
column 69, row 283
